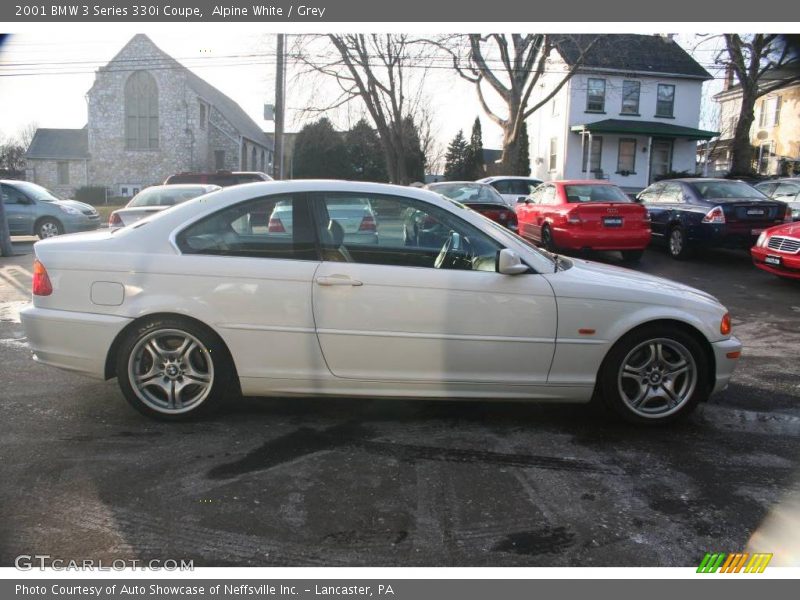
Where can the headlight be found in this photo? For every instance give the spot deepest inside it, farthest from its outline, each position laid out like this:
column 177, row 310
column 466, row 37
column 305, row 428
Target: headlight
column 762, row 240
column 69, row 210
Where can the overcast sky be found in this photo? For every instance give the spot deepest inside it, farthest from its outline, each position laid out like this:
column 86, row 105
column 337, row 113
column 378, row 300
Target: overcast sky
column 44, row 77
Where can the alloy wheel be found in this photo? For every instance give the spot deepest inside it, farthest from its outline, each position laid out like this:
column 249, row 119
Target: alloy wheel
column 48, row 230
column 170, row 371
column 657, row 378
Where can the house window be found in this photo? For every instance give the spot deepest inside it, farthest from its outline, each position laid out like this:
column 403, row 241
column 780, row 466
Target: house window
column 141, row 112
column 665, row 100
column 770, row 113
column 219, row 159
column 63, row 172
column 626, row 161
column 263, row 161
column 597, row 154
column 553, row 154
column 203, row 115
column 596, row 95
column 630, row 97
column 253, row 159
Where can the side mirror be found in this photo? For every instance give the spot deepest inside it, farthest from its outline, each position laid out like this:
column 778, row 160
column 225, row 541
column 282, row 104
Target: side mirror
column 509, row 263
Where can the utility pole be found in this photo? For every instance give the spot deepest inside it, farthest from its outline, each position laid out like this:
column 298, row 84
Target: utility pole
column 280, row 97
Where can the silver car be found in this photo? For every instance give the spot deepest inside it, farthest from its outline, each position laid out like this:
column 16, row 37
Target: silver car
column 33, row 210
column 355, row 216
column 157, row 198
column 786, row 190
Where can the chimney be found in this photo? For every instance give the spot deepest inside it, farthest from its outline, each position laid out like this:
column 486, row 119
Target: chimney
column 728, row 83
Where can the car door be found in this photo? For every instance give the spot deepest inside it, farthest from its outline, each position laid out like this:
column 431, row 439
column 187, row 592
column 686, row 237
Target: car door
column 249, row 268
column 20, row 210
column 385, row 312
column 526, row 212
column 659, row 215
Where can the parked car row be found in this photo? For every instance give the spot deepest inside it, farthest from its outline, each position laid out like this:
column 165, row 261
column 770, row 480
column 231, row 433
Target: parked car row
column 685, row 215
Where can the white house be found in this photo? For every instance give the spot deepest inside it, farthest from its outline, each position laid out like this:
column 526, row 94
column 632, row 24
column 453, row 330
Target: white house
column 629, row 114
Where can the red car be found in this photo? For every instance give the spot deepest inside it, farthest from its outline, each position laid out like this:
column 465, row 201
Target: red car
column 777, row 251
column 584, row 215
column 480, row 197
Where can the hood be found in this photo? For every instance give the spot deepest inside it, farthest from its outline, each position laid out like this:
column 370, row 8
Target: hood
column 81, row 206
column 789, row 229
column 606, row 282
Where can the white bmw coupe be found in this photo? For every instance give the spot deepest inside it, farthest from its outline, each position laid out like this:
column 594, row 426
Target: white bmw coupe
column 261, row 289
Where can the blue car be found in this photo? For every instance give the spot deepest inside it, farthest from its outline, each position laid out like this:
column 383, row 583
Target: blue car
column 693, row 213
column 33, row 210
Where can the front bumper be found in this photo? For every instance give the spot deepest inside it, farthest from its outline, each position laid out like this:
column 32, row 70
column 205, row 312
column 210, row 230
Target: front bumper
column 725, row 365
column 789, row 267
column 74, row 341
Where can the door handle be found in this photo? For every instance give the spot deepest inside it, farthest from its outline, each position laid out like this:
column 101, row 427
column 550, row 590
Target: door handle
column 338, row 280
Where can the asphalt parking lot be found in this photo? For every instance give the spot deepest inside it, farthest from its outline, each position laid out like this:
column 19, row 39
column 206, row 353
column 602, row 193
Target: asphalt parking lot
column 306, row 482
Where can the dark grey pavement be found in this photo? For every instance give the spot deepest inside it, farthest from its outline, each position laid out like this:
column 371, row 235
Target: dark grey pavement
column 349, row 482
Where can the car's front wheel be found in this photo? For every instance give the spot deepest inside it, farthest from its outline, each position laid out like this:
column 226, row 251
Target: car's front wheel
column 655, row 374
column 47, row 228
column 174, row 369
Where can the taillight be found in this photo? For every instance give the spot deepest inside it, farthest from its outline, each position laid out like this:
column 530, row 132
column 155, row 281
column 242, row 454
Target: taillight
column 715, row 215
column 115, row 220
column 725, row 326
column 41, row 281
column 574, row 218
column 368, row 224
column 512, row 221
column 275, row 225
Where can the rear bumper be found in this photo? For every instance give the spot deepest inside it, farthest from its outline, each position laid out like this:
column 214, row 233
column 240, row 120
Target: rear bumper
column 725, row 365
column 789, row 267
column 605, row 239
column 71, row 340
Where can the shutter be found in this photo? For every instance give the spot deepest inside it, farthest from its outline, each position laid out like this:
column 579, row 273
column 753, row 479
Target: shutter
column 777, row 111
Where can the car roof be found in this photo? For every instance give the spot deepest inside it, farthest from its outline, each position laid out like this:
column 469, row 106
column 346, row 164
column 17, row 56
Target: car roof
column 581, row 182
column 498, row 177
column 173, row 186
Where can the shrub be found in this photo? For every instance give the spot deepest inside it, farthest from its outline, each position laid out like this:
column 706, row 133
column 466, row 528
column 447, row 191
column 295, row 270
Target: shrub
column 95, row 195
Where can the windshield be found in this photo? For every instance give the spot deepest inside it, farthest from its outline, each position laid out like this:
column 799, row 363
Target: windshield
column 469, row 193
column 36, row 192
column 595, row 193
column 167, row 196
column 714, row 190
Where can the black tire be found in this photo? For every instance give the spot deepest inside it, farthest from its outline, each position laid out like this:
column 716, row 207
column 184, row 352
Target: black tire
column 678, row 244
column 632, row 255
column 209, row 358
column 616, row 389
column 48, row 227
column 547, row 239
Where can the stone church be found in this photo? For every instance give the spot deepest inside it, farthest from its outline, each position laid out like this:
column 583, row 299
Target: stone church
column 148, row 117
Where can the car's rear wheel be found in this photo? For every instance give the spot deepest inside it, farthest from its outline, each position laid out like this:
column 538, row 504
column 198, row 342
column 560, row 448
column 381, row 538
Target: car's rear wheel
column 655, row 375
column 632, row 255
column 174, row 369
column 47, row 228
column 678, row 244
column 547, row 238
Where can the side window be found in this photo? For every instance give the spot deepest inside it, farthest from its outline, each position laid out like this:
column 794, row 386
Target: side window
column 548, row 195
column 269, row 227
column 12, row 195
column 518, row 187
column 787, row 190
column 397, row 231
column 503, row 186
column 650, row 195
column 672, row 194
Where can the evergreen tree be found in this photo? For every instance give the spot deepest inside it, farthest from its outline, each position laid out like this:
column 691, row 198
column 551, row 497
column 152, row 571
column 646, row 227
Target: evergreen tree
column 521, row 164
column 365, row 154
column 457, row 158
column 320, row 152
column 475, row 168
column 414, row 155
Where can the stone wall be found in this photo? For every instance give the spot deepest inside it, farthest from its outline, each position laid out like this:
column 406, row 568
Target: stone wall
column 222, row 136
column 45, row 173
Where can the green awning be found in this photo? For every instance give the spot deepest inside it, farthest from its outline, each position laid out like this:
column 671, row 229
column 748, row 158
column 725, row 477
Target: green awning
column 649, row 128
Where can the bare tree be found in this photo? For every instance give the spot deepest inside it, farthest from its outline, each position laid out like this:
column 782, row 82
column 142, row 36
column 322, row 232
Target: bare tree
column 762, row 63
column 521, row 62
column 385, row 72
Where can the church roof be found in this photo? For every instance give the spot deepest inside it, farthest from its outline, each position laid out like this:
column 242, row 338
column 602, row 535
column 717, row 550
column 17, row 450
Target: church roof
column 62, row 144
column 234, row 113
